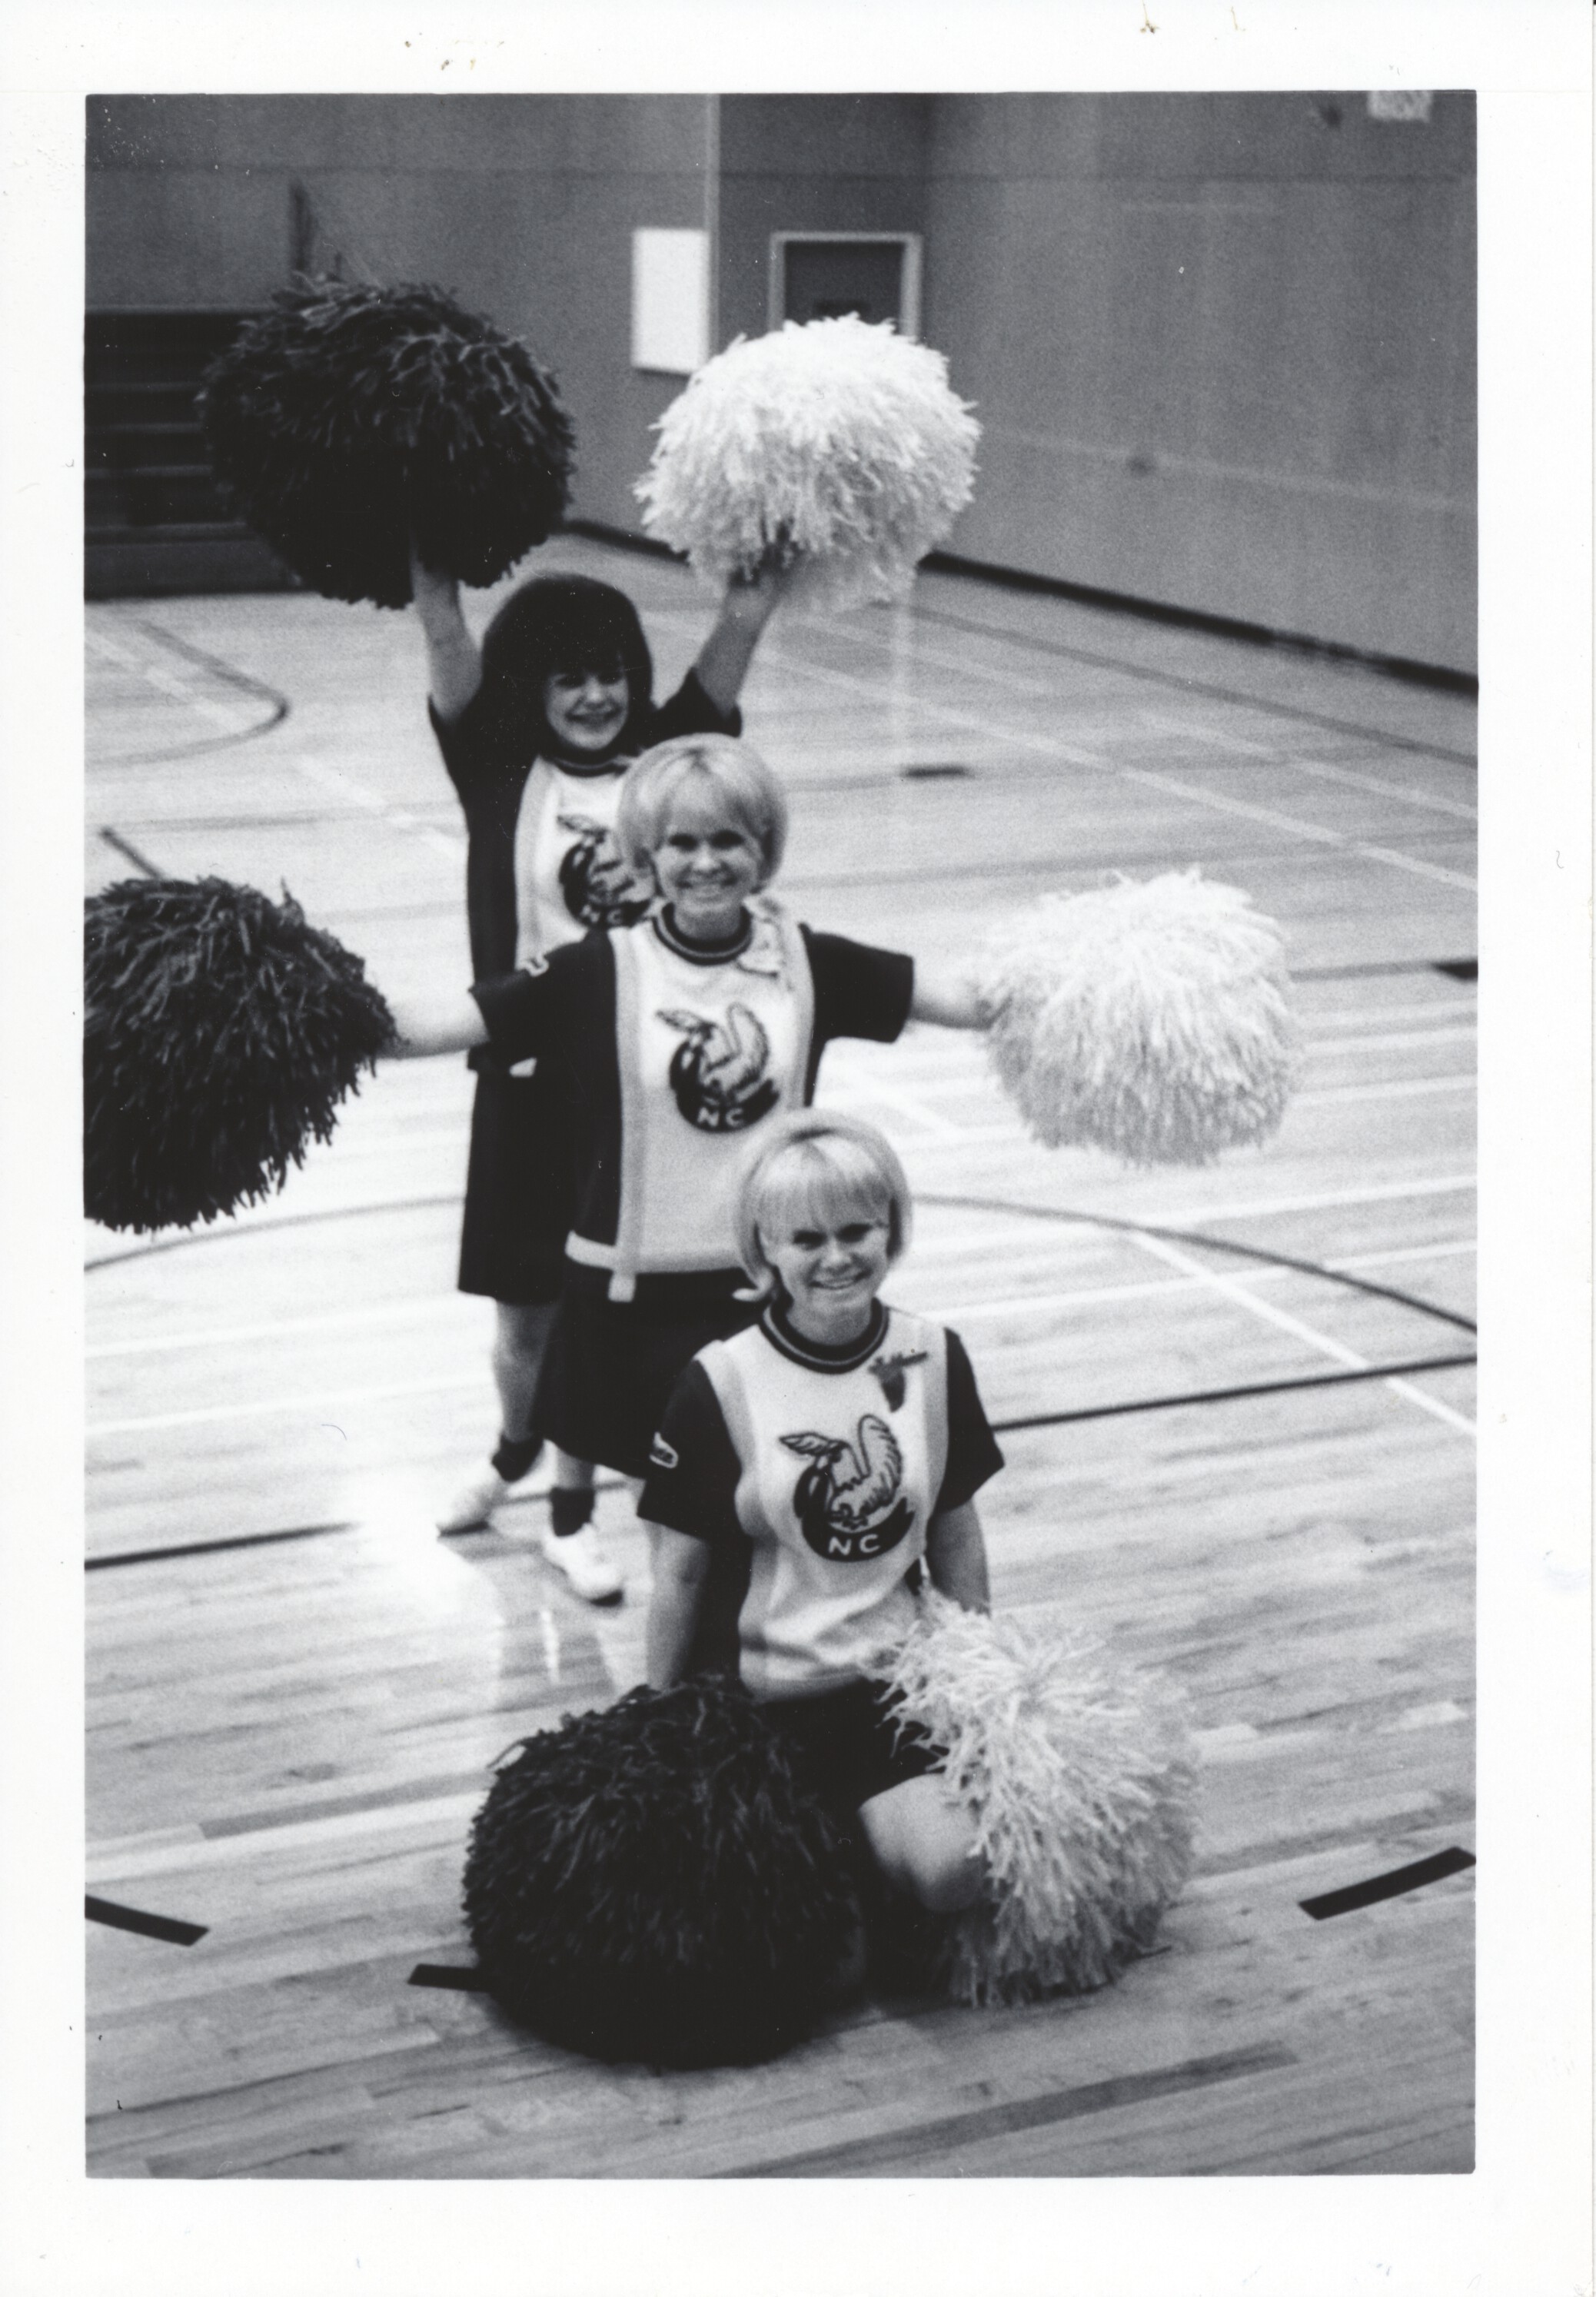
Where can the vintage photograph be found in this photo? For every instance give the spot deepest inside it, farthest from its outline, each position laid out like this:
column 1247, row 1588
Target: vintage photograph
column 779, row 1135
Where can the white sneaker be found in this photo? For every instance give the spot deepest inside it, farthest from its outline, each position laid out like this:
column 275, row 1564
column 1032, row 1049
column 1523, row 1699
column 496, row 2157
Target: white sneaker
column 583, row 1561
column 470, row 1510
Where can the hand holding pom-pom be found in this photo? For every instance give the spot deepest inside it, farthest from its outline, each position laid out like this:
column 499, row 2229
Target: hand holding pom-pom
column 836, row 444
column 651, row 1881
column 1081, row 1779
column 222, row 1032
column 347, row 418
column 1151, row 1020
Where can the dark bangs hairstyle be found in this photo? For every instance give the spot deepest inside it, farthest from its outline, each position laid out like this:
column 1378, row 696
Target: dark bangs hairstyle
column 569, row 624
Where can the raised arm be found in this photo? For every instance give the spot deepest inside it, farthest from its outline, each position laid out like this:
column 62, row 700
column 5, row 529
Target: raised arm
column 680, row 1568
column 749, row 603
column 453, row 661
column 955, row 1555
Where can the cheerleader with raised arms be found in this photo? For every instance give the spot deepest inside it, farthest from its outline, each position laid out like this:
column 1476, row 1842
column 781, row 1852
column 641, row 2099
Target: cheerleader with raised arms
column 538, row 726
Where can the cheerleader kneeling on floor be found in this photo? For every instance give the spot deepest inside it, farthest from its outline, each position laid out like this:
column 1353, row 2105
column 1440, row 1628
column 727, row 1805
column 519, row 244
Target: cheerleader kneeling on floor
column 538, row 725
column 667, row 1042
column 808, row 1476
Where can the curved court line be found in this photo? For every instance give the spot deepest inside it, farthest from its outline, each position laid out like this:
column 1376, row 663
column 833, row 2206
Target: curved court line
column 213, row 1235
column 1215, row 1243
column 1344, row 1378
column 214, row 663
column 948, row 1203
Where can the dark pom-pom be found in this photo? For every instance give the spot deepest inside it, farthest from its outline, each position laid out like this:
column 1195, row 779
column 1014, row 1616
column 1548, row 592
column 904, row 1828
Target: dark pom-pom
column 221, row 1032
column 347, row 418
column 653, row 1882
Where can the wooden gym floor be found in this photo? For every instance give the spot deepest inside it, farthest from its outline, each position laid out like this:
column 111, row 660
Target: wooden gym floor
column 1238, row 1404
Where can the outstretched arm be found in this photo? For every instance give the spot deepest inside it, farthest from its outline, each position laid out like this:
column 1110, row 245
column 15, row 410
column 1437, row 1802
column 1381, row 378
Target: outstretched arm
column 956, row 1554
column 436, row 1025
column 453, row 661
column 680, row 1566
column 946, row 996
column 749, row 603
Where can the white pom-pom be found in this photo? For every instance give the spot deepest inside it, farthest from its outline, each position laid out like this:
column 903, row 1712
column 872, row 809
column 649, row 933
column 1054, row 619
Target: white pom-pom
column 1148, row 1019
column 1081, row 1781
column 839, row 444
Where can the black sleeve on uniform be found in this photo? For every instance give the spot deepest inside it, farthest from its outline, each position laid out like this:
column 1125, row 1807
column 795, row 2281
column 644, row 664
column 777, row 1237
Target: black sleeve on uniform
column 690, row 711
column 859, row 991
column 490, row 773
column 972, row 1454
column 692, row 1473
column 536, row 1009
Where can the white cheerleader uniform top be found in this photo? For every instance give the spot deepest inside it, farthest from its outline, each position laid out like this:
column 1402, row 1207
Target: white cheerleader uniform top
column 672, row 1053
column 813, row 1473
column 569, row 873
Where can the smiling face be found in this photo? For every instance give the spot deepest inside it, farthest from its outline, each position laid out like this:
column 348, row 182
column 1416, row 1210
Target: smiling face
column 706, row 865
column 831, row 1266
column 586, row 709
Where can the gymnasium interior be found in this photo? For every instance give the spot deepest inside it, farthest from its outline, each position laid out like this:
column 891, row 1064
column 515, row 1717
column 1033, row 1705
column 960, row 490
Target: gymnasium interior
column 1213, row 604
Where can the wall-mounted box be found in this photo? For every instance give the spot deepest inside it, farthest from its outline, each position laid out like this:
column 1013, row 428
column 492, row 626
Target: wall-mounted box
column 670, row 300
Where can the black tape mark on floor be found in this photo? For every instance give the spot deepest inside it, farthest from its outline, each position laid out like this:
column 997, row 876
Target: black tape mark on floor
column 129, row 852
column 448, row 1977
column 1214, row 1244
column 911, row 2145
column 1393, row 1885
column 1234, row 1394
column 212, row 1546
column 155, row 1926
column 1460, row 969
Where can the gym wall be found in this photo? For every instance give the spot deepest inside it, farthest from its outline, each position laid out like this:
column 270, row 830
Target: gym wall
column 1224, row 349
column 1223, row 346
column 524, row 207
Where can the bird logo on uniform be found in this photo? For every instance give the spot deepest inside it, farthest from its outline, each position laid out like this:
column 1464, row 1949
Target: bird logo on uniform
column 718, row 1071
column 848, row 1500
column 597, row 887
column 890, row 1371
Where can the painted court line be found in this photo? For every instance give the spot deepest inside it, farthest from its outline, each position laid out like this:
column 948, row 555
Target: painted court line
column 992, row 1136
column 1229, row 1289
column 370, row 800
column 422, row 1307
column 879, row 2149
column 1455, row 1033
column 318, row 1406
column 965, row 1312
column 1405, row 1089
column 1315, row 767
column 116, row 1863
column 1173, row 787
column 969, row 722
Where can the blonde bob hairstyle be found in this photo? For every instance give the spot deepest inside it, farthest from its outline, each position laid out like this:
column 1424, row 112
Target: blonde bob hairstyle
column 814, row 1165
column 733, row 777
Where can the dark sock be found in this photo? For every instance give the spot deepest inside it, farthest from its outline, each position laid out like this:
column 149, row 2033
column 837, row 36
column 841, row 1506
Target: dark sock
column 569, row 1510
column 515, row 1459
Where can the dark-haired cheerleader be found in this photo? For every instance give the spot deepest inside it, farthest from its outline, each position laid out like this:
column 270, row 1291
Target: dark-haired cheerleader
column 538, row 726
